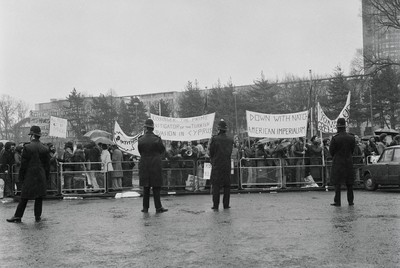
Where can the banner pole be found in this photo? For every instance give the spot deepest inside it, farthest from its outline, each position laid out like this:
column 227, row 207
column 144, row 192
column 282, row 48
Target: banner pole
column 311, row 107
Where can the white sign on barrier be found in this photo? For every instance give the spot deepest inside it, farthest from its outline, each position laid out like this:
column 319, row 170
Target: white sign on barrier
column 207, row 171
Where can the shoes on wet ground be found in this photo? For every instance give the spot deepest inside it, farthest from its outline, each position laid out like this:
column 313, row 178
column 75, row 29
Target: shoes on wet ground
column 214, row 208
column 335, row 205
column 145, row 210
column 38, row 219
column 227, row 207
column 351, row 204
column 161, row 210
column 14, row 219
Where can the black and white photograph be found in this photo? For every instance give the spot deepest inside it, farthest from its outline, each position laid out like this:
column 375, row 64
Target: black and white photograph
column 200, row 133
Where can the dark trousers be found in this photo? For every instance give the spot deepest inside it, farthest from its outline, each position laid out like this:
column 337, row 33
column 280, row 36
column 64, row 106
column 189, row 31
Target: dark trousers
column 22, row 205
column 156, row 196
column 8, row 185
column 216, row 193
column 350, row 194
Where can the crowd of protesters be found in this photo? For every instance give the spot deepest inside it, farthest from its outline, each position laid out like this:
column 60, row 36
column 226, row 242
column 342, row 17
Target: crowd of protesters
column 81, row 164
column 304, row 157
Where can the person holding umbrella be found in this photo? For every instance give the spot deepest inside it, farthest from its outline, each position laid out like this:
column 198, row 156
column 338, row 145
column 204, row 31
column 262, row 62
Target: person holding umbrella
column 151, row 148
column 34, row 174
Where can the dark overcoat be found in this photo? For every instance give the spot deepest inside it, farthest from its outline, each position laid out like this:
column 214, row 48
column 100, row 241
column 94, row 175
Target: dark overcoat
column 341, row 150
column 151, row 148
column 93, row 157
column 35, row 170
column 220, row 153
column 117, row 159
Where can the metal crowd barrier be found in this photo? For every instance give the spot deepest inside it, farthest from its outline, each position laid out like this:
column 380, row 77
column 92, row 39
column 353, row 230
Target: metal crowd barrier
column 358, row 163
column 127, row 175
column 296, row 169
column 234, row 179
column 188, row 175
column 176, row 173
column 290, row 172
column 75, row 177
column 260, row 172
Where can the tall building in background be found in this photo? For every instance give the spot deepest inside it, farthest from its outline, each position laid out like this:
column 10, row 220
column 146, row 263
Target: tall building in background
column 379, row 41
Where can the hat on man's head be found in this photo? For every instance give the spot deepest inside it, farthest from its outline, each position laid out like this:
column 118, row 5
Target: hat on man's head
column 222, row 125
column 341, row 122
column 35, row 130
column 149, row 123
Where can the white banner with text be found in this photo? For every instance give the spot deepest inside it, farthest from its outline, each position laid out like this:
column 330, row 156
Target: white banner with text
column 326, row 125
column 125, row 143
column 184, row 129
column 277, row 125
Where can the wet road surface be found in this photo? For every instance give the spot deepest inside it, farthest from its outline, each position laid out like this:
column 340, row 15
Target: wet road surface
column 291, row 229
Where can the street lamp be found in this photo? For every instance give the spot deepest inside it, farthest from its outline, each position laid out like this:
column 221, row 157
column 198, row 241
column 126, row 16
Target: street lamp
column 236, row 117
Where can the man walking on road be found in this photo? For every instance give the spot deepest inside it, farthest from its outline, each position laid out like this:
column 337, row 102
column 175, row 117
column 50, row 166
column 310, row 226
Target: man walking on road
column 151, row 148
column 341, row 149
column 34, row 174
column 220, row 153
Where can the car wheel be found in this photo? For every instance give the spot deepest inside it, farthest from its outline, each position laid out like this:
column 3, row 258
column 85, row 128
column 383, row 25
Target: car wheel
column 370, row 183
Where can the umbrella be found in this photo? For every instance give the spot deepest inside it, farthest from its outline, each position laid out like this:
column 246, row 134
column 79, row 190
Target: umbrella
column 95, row 133
column 388, row 131
column 283, row 145
column 366, row 138
column 265, row 140
column 103, row 140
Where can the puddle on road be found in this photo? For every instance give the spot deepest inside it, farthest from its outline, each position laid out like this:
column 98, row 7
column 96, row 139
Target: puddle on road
column 192, row 211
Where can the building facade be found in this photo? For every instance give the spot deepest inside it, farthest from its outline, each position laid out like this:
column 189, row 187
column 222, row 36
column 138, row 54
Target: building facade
column 380, row 42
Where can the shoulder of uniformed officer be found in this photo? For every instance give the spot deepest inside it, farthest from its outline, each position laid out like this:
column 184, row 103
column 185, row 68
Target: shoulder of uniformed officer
column 214, row 137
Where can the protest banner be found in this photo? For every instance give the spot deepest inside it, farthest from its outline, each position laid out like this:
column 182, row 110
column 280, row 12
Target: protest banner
column 58, row 127
column 127, row 144
column 327, row 125
column 183, row 129
column 277, row 125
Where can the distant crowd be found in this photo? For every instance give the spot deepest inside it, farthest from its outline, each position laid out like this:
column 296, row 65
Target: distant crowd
column 96, row 159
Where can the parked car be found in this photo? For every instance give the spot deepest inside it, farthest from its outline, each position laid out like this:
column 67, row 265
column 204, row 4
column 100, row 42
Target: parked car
column 386, row 171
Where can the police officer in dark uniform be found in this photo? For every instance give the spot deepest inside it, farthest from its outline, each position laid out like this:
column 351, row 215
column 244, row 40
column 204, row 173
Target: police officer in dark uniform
column 34, row 175
column 220, row 153
column 151, row 148
column 341, row 150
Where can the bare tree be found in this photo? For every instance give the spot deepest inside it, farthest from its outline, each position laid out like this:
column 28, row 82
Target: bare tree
column 385, row 13
column 380, row 17
column 11, row 112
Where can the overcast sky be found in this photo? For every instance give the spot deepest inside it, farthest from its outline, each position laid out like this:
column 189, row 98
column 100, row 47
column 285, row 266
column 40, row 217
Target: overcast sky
column 49, row 47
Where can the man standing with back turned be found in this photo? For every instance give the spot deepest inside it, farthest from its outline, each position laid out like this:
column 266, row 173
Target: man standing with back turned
column 34, row 174
column 150, row 147
column 220, row 153
column 341, row 149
